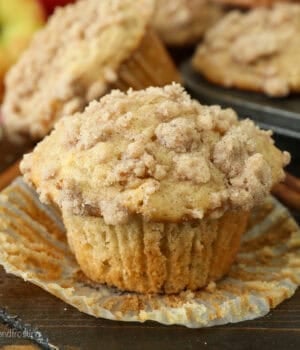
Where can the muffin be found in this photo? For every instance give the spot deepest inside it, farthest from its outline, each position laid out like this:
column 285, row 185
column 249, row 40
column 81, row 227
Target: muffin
column 258, row 50
column 154, row 188
column 19, row 20
column 183, row 22
column 85, row 49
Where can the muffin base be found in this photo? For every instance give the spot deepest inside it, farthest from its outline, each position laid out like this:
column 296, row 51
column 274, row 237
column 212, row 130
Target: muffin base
column 149, row 65
column 239, row 77
column 266, row 272
column 149, row 257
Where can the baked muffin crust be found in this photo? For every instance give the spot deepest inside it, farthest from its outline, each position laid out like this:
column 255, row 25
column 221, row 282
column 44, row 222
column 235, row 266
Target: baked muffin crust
column 156, row 153
column 258, row 50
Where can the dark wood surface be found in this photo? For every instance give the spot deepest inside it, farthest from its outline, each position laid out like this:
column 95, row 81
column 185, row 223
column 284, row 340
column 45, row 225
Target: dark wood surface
column 67, row 328
column 9, row 152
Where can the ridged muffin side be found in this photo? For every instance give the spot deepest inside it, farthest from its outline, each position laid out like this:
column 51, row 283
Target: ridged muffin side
column 149, row 257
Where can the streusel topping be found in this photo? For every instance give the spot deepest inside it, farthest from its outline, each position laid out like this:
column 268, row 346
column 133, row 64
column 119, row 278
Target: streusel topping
column 72, row 61
column 258, row 50
column 154, row 152
column 181, row 22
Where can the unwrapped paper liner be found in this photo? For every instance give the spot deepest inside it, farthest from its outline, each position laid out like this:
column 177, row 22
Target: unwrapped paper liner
column 266, row 272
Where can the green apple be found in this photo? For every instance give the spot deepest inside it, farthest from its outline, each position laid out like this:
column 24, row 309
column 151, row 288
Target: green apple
column 19, row 19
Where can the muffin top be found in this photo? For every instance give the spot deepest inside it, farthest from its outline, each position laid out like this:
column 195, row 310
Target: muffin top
column 258, row 50
column 154, row 152
column 72, row 61
column 183, row 22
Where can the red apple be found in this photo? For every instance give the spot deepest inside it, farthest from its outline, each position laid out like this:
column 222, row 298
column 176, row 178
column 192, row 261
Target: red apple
column 50, row 5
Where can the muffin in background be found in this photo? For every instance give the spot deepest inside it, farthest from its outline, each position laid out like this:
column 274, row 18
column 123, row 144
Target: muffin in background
column 258, row 50
column 85, row 49
column 155, row 189
column 19, row 20
column 184, row 22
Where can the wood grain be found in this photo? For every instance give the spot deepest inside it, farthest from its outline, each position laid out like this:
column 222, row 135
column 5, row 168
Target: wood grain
column 67, row 328
column 9, row 152
column 10, row 156
column 288, row 192
column 8, row 175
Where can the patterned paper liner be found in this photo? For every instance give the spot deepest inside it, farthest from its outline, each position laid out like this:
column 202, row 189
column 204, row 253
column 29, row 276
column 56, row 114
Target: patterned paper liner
column 267, row 270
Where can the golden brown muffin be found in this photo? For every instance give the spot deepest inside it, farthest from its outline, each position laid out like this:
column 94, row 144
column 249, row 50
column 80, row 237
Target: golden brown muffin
column 85, row 49
column 154, row 188
column 258, row 50
column 156, row 257
column 183, row 22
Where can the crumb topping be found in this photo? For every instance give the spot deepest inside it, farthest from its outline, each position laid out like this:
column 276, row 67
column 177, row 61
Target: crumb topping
column 252, row 183
column 193, row 167
column 71, row 62
column 259, row 48
column 180, row 22
column 179, row 134
column 157, row 153
column 231, row 152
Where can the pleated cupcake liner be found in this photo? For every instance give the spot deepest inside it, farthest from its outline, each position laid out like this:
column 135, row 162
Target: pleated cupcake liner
column 149, row 257
column 149, row 65
column 266, row 272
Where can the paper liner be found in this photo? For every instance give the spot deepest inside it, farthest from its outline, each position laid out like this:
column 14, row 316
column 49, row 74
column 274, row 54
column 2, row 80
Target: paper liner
column 267, row 270
column 149, row 65
column 147, row 257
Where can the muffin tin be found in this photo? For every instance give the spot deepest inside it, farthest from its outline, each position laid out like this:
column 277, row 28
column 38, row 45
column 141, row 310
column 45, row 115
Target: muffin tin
column 282, row 115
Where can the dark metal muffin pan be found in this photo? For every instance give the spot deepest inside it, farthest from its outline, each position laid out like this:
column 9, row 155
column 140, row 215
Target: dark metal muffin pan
column 282, row 115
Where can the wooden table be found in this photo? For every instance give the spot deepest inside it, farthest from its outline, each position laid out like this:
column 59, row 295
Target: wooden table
column 67, row 328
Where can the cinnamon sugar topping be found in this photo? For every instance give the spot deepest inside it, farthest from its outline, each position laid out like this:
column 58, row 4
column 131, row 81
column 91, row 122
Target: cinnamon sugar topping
column 155, row 152
column 181, row 22
column 257, row 50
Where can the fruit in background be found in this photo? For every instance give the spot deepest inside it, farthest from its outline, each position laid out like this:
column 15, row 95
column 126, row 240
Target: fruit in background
column 51, row 4
column 19, row 19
